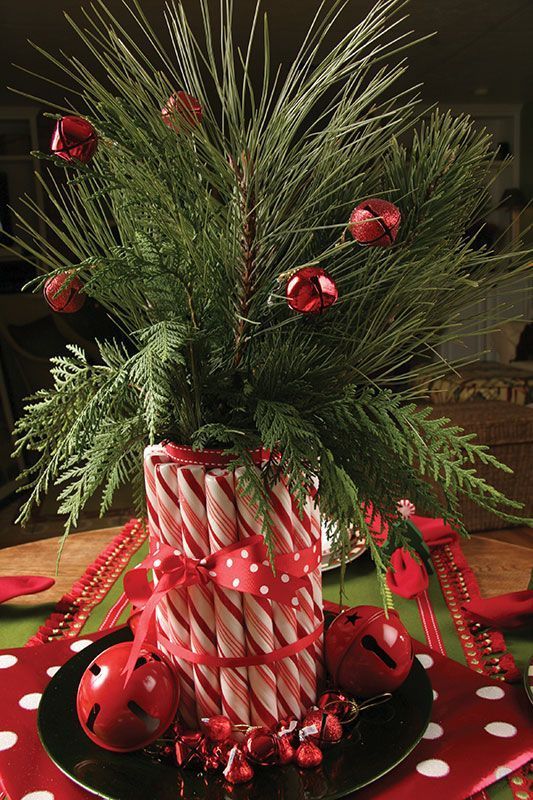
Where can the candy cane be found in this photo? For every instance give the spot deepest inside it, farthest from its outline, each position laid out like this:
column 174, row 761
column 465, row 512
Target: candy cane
column 285, row 621
column 191, row 485
column 258, row 622
column 306, row 618
column 231, row 637
column 313, row 513
column 173, row 611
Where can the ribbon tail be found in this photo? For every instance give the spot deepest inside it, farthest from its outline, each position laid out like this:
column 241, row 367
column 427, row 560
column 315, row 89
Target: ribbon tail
column 141, row 633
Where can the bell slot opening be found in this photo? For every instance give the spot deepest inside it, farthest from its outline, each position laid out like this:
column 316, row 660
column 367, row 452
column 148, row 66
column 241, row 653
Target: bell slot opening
column 369, row 643
column 91, row 719
column 140, row 662
column 151, row 723
column 95, row 669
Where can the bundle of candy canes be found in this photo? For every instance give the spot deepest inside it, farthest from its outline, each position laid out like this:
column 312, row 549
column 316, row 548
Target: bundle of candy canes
column 246, row 639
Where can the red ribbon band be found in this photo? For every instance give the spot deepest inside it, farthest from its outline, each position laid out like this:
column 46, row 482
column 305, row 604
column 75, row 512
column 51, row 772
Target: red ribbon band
column 242, row 566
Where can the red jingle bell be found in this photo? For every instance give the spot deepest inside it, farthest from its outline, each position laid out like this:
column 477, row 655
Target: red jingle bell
column 366, row 652
column 127, row 717
column 190, row 749
column 310, row 290
column 337, row 704
column 184, row 107
column 375, row 222
column 329, row 728
column 74, row 139
column 65, row 300
column 261, row 747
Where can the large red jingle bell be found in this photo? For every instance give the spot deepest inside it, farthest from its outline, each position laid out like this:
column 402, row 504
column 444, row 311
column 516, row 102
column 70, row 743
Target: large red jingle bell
column 368, row 653
column 124, row 717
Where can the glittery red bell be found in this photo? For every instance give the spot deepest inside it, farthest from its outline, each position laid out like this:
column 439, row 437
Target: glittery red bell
column 63, row 293
column 366, row 652
column 337, row 704
column 181, row 106
column 74, row 139
column 127, row 717
column 375, row 222
column 329, row 728
column 311, row 290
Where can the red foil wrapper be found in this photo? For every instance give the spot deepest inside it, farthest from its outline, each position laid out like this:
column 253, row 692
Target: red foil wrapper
column 238, row 769
column 308, row 755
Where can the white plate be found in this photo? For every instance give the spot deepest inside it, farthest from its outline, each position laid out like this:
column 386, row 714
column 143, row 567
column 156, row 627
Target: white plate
column 358, row 548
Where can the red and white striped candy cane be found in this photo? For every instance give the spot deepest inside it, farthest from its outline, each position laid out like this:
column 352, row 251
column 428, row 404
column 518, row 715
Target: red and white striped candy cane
column 173, row 608
column 306, row 616
column 231, row 637
column 153, row 455
column 258, row 622
column 313, row 513
column 191, row 484
column 285, row 622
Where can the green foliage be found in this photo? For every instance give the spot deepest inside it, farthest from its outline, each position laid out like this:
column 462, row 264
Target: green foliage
column 186, row 234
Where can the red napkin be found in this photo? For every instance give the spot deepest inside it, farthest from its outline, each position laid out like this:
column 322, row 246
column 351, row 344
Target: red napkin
column 514, row 610
column 480, row 731
column 407, row 577
column 12, row 586
column 435, row 532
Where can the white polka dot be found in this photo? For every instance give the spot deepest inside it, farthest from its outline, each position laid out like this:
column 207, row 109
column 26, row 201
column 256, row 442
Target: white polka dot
column 229, row 562
column 7, row 661
column 244, row 553
column 30, row 701
column 38, row 796
column 253, row 567
column 51, row 671
column 435, row 694
column 157, row 562
column 284, row 578
column 491, row 692
column 295, row 601
column 314, row 548
column 235, row 583
column 425, row 660
column 501, row 772
column 433, row 768
column 306, row 568
column 504, row 730
column 433, row 731
column 266, row 562
column 80, row 644
column 297, row 556
column 212, row 573
column 177, row 553
column 263, row 589
column 7, row 739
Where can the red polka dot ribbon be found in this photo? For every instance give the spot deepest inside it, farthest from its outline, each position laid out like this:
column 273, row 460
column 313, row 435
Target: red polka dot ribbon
column 243, row 568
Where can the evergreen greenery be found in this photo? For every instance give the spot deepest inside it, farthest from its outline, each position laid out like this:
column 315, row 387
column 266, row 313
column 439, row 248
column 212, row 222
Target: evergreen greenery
column 187, row 237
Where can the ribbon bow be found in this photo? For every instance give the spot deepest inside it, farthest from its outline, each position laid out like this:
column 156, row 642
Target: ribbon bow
column 243, row 566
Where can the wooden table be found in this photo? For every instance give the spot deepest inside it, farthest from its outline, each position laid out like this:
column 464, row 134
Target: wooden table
column 502, row 561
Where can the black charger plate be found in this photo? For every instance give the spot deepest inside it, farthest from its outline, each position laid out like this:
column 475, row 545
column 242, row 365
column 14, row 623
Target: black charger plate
column 382, row 738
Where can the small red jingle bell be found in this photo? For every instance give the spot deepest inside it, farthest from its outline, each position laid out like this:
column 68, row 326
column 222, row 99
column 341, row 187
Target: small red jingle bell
column 261, row 747
column 127, row 717
column 190, row 749
column 74, row 139
column 366, row 652
column 181, row 107
column 310, row 290
column 329, row 728
column 63, row 293
column 337, row 704
column 375, row 222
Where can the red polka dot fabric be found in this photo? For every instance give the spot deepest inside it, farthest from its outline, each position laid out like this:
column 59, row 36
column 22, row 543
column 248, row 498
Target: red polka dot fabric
column 480, row 731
